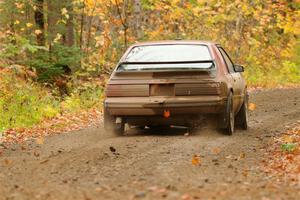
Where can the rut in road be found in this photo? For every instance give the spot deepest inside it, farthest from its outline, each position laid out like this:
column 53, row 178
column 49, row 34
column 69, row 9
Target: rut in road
column 153, row 165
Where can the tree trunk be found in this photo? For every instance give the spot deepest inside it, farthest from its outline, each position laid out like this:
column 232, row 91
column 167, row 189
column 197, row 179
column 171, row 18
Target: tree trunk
column 70, row 26
column 137, row 17
column 40, row 22
column 82, row 25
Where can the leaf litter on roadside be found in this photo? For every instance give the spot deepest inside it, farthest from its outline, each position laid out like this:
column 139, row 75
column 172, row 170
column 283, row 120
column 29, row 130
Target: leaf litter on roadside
column 283, row 155
column 63, row 123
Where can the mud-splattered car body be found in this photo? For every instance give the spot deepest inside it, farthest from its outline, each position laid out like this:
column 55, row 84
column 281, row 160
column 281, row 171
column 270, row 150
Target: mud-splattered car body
column 148, row 92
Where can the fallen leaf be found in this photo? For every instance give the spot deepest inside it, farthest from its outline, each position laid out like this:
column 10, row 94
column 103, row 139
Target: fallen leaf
column 36, row 154
column 242, row 155
column 251, row 106
column 216, row 150
column 153, row 188
column 196, row 160
column 99, row 189
column 7, row 162
column 40, row 140
column 162, row 190
column 44, row 161
column 185, row 197
column 245, row 173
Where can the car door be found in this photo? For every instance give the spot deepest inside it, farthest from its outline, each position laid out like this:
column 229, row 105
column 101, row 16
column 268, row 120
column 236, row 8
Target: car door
column 236, row 77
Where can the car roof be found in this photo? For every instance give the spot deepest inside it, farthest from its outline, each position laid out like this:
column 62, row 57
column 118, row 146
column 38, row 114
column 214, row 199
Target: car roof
column 166, row 42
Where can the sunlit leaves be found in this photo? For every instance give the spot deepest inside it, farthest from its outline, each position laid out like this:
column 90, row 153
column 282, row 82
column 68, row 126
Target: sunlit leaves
column 261, row 35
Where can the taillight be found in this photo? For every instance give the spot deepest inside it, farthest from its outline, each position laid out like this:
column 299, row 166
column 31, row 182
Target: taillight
column 195, row 89
column 127, row 90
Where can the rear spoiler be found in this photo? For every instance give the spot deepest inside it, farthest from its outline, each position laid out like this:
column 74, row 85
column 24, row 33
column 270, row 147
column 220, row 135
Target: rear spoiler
column 169, row 62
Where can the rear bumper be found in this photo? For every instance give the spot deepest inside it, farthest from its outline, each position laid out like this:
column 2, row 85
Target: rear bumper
column 151, row 106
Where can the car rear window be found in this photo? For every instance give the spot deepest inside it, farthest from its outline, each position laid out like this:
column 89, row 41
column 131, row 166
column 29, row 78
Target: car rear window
column 168, row 57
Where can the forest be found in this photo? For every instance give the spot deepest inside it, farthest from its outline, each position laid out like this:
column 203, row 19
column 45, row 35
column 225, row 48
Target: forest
column 55, row 56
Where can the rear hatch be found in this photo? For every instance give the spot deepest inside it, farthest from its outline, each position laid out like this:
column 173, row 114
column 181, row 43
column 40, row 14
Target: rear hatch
column 165, row 70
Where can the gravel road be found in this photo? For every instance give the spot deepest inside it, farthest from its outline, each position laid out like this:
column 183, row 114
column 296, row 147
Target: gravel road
column 154, row 164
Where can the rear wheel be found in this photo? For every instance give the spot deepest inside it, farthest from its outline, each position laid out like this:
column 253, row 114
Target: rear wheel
column 111, row 125
column 229, row 116
column 242, row 116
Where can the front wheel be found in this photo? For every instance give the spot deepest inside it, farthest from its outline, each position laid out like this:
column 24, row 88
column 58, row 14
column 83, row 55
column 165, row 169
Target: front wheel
column 111, row 126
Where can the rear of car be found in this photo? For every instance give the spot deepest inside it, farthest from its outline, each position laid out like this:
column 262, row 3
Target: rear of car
column 164, row 84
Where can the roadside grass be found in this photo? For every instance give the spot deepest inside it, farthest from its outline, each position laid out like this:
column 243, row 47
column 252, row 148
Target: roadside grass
column 25, row 103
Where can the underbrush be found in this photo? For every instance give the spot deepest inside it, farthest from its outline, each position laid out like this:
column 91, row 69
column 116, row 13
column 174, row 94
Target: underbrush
column 287, row 75
column 24, row 103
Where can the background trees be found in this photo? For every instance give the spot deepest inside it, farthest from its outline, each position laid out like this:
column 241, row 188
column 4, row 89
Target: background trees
column 87, row 37
column 55, row 54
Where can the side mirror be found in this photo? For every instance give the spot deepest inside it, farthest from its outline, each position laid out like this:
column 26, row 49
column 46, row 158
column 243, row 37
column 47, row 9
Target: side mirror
column 238, row 68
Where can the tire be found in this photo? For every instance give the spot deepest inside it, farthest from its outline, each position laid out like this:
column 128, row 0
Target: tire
column 242, row 116
column 111, row 126
column 229, row 116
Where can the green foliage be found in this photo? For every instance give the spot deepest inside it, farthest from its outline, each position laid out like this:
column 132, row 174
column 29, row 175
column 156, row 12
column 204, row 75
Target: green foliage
column 55, row 63
column 24, row 104
column 16, row 48
column 83, row 97
column 288, row 147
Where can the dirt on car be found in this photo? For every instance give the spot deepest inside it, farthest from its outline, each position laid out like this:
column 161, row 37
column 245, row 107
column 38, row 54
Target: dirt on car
column 154, row 164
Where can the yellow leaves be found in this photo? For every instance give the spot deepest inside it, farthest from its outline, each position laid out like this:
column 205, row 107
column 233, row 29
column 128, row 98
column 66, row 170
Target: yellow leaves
column 196, row 161
column 19, row 5
column 252, row 106
column 100, row 40
column 57, row 38
column 92, row 3
column 116, row 2
column 287, row 139
column 29, row 25
column 64, row 13
column 38, row 32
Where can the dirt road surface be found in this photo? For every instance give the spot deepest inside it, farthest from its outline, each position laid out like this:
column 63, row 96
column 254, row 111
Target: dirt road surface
column 154, row 164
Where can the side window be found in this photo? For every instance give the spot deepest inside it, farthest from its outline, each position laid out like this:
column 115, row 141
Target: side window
column 227, row 60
